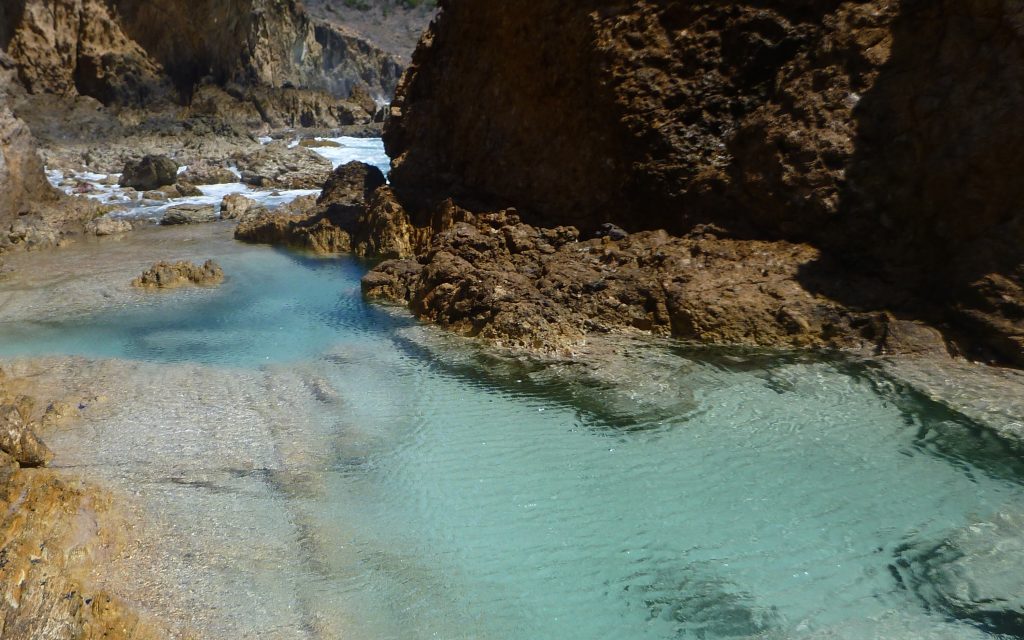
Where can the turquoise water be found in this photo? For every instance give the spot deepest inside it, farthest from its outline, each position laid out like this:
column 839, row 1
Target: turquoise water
column 705, row 494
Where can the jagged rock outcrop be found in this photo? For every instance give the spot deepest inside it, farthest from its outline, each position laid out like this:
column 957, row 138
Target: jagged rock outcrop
column 884, row 133
column 331, row 224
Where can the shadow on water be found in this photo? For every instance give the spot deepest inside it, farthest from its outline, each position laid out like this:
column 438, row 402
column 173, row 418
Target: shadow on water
column 942, row 432
column 695, row 603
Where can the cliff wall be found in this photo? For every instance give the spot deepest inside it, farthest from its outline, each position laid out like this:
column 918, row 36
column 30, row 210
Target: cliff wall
column 883, row 132
column 132, row 52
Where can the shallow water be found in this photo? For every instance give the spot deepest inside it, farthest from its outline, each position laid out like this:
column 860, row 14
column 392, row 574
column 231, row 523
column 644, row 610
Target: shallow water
column 311, row 466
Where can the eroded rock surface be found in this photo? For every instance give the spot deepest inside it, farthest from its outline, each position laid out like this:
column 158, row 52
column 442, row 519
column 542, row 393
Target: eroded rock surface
column 168, row 275
column 545, row 290
column 128, row 52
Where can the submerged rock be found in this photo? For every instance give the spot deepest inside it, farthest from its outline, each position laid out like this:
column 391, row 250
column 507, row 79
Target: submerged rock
column 107, row 226
column 189, row 214
column 149, row 173
column 975, row 575
column 167, row 275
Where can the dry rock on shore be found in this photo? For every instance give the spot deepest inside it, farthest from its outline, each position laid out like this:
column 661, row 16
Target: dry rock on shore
column 545, row 290
column 168, row 275
column 18, row 437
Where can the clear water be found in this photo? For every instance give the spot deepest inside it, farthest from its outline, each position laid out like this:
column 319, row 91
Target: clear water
column 321, row 468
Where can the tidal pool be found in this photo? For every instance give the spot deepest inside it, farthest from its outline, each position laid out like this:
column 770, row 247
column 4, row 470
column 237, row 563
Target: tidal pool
column 308, row 465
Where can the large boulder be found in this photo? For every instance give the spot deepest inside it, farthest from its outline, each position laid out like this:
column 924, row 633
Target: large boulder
column 351, row 185
column 149, row 173
column 885, row 134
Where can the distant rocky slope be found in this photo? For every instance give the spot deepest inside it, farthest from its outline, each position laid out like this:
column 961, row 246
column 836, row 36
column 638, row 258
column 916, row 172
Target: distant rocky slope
column 393, row 25
column 134, row 52
column 883, row 133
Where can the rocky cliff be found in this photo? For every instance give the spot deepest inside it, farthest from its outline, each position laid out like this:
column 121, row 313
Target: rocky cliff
column 23, row 185
column 132, row 52
column 884, row 133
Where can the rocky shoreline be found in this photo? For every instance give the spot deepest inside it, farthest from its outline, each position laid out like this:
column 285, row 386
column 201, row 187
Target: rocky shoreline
column 770, row 188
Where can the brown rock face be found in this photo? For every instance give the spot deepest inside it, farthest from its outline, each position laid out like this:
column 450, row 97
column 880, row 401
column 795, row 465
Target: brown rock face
column 884, row 133
column 76, row 47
